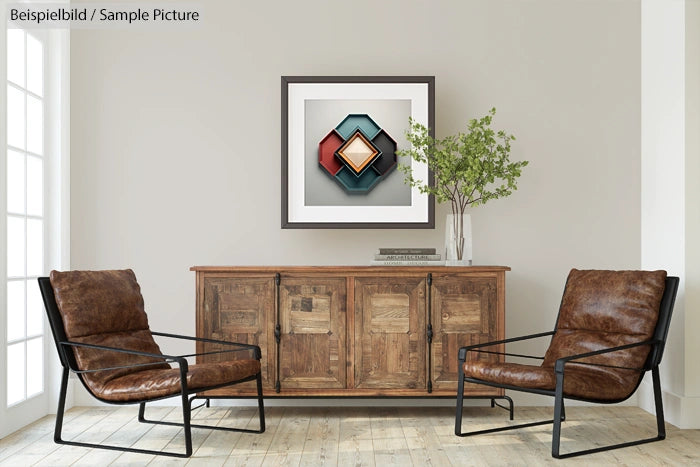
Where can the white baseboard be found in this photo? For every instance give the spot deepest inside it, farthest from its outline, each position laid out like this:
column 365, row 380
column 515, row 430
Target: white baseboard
column 680, row 411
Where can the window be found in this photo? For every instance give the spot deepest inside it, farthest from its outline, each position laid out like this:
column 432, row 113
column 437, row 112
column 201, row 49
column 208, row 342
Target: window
column 25, row 216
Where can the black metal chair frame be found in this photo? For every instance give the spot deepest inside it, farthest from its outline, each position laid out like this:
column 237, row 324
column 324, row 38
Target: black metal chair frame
column 657, row 344
column 68, row 362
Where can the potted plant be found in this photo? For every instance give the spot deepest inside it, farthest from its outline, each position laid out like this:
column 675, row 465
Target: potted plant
column 469, row 169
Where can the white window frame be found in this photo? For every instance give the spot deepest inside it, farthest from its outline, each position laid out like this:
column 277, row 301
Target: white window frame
column 56, row 214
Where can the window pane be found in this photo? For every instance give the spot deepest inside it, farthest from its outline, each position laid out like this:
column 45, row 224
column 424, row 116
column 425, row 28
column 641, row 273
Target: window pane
column 35, row 125
column 15, row 56
column 15, row 182
column 35, row 309
column 35, row 186
column 15, row 246
column 35, row 366
column 35, row 247
column 15, row 310
column 15, row 117
column 35, row 65
column 15, row 373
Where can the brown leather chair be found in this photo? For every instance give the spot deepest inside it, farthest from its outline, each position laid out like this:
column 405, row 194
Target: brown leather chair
column 611, row 330
column 101, row 333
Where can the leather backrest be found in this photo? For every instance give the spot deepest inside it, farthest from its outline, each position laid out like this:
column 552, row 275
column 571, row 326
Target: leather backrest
column 104, row 308
column 99, row 302
column 603, row 309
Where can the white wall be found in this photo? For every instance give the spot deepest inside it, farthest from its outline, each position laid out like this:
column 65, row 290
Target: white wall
column 692, row 214
column 670, row 193
column 175, row 140
column 663, row 158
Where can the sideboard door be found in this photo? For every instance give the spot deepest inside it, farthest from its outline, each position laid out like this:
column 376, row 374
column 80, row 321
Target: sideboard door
column 238, row 309
column 313, row 332
column 463, row 312
column 390, row 327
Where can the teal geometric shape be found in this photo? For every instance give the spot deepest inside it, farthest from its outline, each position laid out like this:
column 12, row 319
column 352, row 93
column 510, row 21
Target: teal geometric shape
column 357, row 185
column 354, row 121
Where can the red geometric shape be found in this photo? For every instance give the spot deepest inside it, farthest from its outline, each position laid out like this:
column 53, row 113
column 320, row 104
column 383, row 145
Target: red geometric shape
column 326, row 152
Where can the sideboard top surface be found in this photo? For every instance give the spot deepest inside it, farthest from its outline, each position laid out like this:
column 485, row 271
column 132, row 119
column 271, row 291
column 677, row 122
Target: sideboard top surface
column 352, row 269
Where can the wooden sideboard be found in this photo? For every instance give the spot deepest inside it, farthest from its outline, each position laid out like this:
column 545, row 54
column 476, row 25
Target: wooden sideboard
column 353, row 330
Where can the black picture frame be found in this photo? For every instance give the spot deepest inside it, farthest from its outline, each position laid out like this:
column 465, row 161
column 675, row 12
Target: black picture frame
column 419, row 90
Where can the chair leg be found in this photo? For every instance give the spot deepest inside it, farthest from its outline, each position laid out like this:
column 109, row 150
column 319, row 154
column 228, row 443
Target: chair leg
column 658, row 402
column 558, row 414
column 59, row 426
column 186, row 419
column 460, row 406
column 458, row 415
column 507, row 399
column 261, row 405
column 563, row 410
column 142, row 411
column 659, row 422
column 61, row 407
column 460, row 400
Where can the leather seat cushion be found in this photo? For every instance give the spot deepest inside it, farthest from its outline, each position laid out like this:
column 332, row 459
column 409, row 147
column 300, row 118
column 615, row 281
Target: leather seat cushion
column 93, row 359
column 580, row 381
column 514, row 374
column 148, row 384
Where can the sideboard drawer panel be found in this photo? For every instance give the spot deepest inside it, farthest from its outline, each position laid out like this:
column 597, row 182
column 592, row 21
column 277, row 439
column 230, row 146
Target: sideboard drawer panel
column 312, row 340
column 238, row 309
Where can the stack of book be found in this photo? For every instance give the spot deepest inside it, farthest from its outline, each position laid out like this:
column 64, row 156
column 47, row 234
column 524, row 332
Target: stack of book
column 407, row 257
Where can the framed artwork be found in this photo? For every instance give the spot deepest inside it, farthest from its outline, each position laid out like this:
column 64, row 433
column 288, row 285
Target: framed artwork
column 340, row 136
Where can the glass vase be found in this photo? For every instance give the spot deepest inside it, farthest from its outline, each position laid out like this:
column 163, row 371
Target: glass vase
column 458, row 240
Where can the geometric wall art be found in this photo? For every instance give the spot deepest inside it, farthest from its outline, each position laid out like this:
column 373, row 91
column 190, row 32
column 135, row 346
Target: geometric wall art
column 357, row 153
column 340, row 138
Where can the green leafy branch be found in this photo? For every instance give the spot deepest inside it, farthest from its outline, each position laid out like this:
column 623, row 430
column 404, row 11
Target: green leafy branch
column 469, row 168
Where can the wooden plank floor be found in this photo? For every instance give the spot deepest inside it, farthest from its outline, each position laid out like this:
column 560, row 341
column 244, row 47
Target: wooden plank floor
column 363, row 436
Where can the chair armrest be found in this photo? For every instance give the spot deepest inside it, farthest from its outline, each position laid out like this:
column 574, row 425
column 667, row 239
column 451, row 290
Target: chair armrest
column 255, row 348
column 180, row 360
column 559, row 364
column 463, row 351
